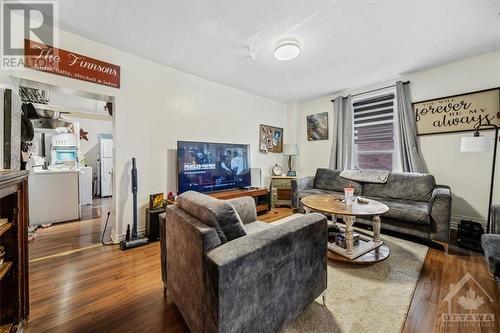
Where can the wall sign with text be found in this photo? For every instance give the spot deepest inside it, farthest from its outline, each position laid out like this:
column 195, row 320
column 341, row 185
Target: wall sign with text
column 53, row 60
column 458, row 113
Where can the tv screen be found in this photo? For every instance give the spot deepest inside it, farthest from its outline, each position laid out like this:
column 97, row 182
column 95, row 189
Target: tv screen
column 208, row 167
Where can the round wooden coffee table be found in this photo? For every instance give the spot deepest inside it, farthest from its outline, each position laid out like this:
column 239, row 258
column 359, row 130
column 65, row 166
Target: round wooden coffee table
column 334, row 205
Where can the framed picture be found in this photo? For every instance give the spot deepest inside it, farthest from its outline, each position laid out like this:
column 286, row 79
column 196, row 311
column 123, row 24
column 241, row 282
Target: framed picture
column 458, row 113
column 156, row 201
column 270, row 139
column 317, row 126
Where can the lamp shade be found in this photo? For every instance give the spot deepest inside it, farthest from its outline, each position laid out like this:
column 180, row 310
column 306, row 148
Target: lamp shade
column 291, row 149
column 475, row 144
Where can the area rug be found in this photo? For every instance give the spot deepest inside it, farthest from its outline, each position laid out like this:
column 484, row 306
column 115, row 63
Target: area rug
column 372, row 298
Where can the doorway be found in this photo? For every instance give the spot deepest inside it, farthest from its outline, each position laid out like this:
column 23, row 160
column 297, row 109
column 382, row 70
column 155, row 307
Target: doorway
column 71, row 159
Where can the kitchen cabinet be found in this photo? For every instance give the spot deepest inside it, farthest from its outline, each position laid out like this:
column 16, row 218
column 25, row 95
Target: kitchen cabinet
column 54, row 196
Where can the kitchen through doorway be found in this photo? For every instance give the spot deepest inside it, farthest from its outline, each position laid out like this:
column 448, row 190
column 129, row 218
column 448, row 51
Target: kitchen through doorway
column 69, row 152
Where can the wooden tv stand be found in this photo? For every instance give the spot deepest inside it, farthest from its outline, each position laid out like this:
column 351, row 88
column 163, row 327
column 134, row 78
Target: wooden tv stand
column 261, row 196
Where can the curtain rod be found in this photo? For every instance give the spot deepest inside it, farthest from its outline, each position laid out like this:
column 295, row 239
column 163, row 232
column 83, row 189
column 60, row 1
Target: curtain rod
column 373, row 90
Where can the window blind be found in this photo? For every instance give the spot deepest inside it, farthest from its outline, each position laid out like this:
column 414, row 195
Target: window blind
column 374, row 119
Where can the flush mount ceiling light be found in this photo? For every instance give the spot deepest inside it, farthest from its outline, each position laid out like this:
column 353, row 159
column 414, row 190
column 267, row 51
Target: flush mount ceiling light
column 287, row 50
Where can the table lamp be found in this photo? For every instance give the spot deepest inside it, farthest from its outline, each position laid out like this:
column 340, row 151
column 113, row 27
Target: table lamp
column 291, row 149
column 478, row 143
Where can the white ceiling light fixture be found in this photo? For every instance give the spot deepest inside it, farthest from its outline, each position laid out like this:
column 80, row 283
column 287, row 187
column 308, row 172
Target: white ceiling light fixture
column 286, row 50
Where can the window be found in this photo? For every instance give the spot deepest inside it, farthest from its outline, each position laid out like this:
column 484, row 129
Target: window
column 375, row 132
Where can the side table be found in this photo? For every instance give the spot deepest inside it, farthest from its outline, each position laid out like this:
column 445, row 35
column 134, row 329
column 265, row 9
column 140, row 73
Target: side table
column 281, row 191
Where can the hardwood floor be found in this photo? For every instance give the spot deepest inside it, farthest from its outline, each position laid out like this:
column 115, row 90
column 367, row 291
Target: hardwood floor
column 68, row 236
column 103, row 289
column 439, row 271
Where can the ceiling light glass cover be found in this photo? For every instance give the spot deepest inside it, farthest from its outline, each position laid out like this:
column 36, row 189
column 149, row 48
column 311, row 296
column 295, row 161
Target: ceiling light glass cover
column 287, row 50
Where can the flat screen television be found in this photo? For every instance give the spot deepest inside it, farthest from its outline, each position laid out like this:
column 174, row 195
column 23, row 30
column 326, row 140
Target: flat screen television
column 209, row 167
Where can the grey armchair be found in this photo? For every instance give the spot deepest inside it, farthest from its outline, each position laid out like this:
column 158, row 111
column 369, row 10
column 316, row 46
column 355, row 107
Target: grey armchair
column 254, row 283
column 491, row 242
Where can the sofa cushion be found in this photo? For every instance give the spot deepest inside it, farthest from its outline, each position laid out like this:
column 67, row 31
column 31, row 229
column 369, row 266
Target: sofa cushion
column 287, row 219
column 413, row 229
column 406, row 210
column 257, row 226
column 491, row 247
column 328, row 179
column 215, row 213
column 403, row 185
column 245, row 207
column 316, row 191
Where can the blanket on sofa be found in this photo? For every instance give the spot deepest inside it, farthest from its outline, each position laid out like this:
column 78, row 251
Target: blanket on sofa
column 366, row 176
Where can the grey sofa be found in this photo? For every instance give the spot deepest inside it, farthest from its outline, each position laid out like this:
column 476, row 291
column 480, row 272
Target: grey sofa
column 417, row 206
column 253, row 279
column 491, row 242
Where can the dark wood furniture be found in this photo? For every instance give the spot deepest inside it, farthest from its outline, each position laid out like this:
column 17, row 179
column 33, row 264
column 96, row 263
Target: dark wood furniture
column 261, row 196
column 153, row 224
column 14, row 283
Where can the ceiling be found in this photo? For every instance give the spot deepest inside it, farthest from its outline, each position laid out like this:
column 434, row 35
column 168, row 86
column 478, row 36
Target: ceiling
column 345, row 43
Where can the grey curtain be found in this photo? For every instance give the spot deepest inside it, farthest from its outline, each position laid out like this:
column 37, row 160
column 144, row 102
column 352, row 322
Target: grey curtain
column 411, row 160
column 341, row 151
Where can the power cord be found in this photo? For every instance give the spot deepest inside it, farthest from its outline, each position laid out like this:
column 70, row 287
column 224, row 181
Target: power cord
column 104, row 231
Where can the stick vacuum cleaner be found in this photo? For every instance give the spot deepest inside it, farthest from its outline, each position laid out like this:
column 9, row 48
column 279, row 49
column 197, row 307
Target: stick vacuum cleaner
column 134, row 240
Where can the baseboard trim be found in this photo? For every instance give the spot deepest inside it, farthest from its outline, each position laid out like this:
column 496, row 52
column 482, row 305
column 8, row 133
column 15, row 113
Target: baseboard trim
column 141, row 232
column 455, row 219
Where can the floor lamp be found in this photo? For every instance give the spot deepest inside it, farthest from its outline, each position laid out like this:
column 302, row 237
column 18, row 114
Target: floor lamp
column 478, row 143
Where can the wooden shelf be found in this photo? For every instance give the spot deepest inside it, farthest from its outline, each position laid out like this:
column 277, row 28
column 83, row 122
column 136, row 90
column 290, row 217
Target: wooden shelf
column 260, row 195
column 4, row 228
column 14, row 294
column 7, row 328
column 4, row 268
column 224, row 195
column 262, row 208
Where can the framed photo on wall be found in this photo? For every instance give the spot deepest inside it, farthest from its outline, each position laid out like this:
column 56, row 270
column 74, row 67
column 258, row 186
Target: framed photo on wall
column 270, row 139
column 458, row 113
column 317, row 126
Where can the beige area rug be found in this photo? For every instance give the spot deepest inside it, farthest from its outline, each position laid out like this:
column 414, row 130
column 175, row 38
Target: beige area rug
column 372, row 298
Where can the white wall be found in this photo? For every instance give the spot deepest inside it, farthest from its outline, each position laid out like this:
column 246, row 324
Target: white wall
column 468, row 174
column 155, row 107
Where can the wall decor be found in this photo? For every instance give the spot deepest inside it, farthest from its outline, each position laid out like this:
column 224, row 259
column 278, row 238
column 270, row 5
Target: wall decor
column 270, row 139
column 458, row 113
column 83, row 135
column 317, row 126
column 46, row 58
column 156, row 201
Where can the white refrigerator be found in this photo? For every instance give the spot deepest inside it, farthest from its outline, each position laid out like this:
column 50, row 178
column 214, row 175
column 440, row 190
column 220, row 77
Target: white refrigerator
column 85, row 186
column 106, row 167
